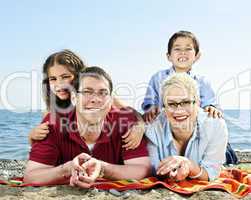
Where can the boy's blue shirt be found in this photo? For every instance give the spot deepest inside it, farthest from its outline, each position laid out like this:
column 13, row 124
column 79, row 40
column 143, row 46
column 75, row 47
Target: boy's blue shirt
column 153, row 93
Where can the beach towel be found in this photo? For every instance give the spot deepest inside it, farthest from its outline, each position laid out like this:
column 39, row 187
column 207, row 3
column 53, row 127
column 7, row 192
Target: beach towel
column 234, row 181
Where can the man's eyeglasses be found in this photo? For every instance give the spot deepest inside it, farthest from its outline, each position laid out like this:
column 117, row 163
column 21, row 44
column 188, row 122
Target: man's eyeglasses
column 183, row 104
column 91, row 93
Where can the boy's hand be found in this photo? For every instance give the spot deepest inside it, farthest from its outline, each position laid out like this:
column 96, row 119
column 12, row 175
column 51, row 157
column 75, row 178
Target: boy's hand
column 213, row 112
column 39, row 132
column 134, row 135
column 151, row 114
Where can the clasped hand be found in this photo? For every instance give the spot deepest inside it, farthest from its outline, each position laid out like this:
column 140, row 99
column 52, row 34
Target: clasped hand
column 85, row 170
column 176, row 168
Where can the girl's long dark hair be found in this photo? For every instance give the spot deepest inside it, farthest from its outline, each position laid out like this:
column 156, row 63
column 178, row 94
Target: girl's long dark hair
column 73, row 63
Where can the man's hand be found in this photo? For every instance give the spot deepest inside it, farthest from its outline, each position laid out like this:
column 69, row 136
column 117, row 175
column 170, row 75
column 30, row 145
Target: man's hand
column 85, row 170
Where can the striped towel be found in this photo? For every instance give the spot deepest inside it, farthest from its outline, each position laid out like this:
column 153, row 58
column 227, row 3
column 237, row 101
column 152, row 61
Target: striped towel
column 234, row 181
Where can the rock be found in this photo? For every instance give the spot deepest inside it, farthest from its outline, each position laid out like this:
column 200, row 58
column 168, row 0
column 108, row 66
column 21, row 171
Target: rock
column 115, row 192
column 11, row 168
column 244, row 156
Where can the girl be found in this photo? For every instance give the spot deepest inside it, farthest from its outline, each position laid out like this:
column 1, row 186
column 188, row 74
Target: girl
column 59, row 71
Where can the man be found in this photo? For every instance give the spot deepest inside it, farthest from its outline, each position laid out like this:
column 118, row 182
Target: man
column 87, row 143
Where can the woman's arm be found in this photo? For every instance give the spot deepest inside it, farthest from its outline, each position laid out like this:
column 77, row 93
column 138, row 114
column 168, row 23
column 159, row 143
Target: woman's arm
column 179, row 168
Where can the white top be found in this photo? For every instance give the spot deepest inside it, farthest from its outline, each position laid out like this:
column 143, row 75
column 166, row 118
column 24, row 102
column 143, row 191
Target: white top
column 90, row 146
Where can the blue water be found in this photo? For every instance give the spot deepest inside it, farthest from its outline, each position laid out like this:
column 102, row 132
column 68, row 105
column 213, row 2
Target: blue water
column 14, row 129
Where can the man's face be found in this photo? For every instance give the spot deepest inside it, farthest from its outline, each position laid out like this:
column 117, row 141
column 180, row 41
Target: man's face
column 181, row 108
column 93, row 99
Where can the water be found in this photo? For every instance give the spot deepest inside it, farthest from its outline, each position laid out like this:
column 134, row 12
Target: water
column 239, row 127
column 14, row 129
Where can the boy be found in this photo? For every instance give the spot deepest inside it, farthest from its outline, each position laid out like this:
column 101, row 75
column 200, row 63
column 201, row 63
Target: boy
column 183, row 52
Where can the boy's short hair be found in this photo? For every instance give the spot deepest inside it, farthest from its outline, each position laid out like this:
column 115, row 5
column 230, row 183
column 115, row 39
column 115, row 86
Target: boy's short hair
column 95, row 72
column 185, row 34
column 181, row 80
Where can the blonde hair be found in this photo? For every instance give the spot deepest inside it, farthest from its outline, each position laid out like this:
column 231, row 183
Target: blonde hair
column 182, row 80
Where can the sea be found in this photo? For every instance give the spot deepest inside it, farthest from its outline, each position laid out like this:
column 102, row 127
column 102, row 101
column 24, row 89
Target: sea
column 15, row 127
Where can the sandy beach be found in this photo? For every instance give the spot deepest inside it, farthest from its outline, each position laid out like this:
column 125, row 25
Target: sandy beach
column 10, row 168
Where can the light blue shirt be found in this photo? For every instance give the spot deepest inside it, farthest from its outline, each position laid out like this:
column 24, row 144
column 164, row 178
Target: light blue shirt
column 153, row 92
column 206, row 147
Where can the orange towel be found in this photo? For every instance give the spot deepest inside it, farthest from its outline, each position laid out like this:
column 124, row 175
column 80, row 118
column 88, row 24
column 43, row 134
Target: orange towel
column 235, row 181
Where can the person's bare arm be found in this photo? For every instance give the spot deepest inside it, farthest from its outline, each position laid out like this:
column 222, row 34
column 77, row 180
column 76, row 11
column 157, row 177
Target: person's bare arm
column 118, row 103
column 136, row 168
column 151, row 114
column 86, row 172
column 133, row 136
column 179, row 168
column 47, row 174
column 40, row 131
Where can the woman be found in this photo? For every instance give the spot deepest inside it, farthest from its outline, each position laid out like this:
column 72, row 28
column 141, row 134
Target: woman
column 183, row 141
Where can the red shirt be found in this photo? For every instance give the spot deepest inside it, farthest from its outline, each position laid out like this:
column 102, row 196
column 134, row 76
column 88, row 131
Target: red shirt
column 63, row 143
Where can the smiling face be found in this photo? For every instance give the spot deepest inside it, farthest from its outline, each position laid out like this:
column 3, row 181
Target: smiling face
column 181, row 108
column 60, row 81
column 183, row 54
column 93, row 100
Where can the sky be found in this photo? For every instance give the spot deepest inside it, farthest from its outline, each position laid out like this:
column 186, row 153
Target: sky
column 128, row 39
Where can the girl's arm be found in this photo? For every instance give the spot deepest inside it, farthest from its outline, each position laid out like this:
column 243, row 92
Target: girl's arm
column 135, row 134
column 40, row 131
